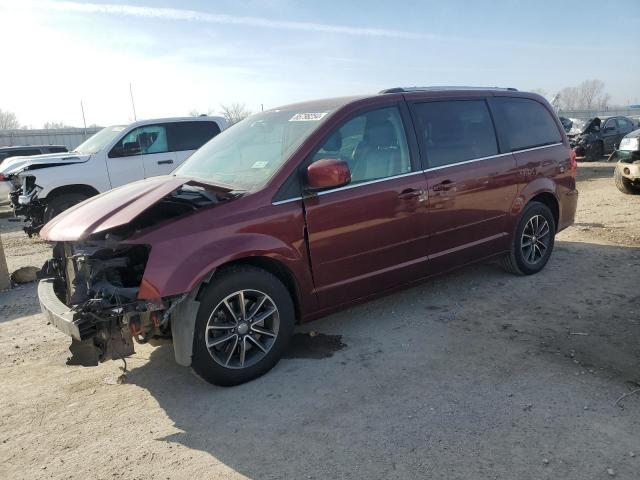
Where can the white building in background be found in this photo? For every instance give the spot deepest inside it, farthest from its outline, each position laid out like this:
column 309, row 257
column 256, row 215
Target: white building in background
column 71, row 137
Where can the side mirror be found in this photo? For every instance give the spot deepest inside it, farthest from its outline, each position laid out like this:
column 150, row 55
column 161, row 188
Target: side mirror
column 130, row 148
column 127, row 150
column 328, row 173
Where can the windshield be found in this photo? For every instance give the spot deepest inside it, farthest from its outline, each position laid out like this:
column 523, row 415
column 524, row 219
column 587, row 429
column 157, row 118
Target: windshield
column 98, row 141
column 246, row 155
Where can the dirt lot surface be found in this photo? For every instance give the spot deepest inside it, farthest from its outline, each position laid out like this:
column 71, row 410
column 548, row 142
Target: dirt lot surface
column 477, row 374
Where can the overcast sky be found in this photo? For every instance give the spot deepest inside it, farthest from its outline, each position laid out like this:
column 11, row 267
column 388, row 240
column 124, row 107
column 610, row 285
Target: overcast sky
column 191, row 54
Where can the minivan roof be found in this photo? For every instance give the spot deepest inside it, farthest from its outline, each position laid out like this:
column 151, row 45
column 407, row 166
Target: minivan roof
column 337, row 102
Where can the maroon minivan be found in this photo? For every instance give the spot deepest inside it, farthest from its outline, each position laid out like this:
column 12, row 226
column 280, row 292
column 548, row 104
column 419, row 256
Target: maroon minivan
column 306, row 209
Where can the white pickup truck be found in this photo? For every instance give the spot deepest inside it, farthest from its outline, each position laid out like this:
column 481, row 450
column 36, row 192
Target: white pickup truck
column 42, row 186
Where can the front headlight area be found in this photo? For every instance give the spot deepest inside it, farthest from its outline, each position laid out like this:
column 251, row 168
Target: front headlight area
column 630, row 144
column 28, row 190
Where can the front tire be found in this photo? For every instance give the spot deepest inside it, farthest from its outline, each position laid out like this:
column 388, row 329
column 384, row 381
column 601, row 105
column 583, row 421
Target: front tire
column 60, row 203
column 532, row 242
column 244, row 323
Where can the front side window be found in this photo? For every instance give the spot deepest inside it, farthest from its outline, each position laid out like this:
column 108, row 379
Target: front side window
column 523, row 123
column 374, row 145
column 191, row 135
column 455, row 131
column 145, row 140
column 246, row 155
column 610, row 124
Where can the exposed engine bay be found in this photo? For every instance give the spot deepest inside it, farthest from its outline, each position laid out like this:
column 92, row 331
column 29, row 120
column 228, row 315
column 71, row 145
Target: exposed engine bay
column 25, row 203
column 99, row 280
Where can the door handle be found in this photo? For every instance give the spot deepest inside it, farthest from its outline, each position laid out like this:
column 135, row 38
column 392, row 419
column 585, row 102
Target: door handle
column 165, row 162
column 444, row 186
column 410, row 193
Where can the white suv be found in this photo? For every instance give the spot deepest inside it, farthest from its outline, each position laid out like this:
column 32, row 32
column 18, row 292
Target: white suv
column 43, row 186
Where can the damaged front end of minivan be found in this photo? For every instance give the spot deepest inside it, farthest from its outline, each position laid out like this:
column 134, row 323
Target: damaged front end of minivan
column 93, row 287
column 91, row 293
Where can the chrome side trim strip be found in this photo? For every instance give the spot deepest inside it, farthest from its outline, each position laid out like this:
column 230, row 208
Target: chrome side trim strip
column 281, row 202
column 538, row 148
column 355, row 185
column 466, row 161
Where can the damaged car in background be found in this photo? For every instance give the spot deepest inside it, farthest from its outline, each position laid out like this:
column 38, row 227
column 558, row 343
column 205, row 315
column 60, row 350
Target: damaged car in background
column 595, row 137
column 303, row 210
column 627, row 172
column 43, row 186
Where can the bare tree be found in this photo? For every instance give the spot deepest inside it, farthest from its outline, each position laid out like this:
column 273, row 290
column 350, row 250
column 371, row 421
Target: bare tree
column 8, row 120
column 540, row 91
column 54, row 125
column 589, row 95
column 569, row 98
column 234, row 112
column 197, row 113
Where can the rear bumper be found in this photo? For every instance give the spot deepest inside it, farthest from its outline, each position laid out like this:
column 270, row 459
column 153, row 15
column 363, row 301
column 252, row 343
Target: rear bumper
column 61, row 316
column 568, row 207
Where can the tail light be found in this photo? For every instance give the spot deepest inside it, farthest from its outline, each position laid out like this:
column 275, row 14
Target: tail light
column 573, row 161
column 2, row 177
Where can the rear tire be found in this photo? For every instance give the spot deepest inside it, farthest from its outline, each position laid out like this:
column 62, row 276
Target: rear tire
column 532, row 241
column 232, row 342
column 624, row 184
column 60, row 203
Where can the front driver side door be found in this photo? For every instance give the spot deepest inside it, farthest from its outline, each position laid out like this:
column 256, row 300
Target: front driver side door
column 368, row 236
column 610, row 137
column 124, row 160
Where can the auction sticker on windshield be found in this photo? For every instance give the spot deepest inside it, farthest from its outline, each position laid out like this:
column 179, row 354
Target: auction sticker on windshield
column 307, row 117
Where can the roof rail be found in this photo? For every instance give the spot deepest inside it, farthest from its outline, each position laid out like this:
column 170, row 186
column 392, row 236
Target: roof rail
column 440, row 88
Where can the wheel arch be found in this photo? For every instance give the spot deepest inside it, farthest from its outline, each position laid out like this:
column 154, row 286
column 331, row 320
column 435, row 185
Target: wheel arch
column 271, row 265
column 550, row 200
column 541, row 190
column 183, row 319
column 84, row 189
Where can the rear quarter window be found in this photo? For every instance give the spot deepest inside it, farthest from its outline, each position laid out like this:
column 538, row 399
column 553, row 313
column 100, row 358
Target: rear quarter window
column 455, row 131
column 523, row 123
column 191, row 135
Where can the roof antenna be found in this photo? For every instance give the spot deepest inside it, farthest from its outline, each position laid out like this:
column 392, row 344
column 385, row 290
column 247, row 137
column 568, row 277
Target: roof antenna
column 135, row 119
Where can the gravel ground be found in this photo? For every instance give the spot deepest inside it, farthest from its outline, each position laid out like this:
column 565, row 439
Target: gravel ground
column 477, row 374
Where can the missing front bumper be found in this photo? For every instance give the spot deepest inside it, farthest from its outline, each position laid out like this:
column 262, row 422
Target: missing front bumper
column 62, row 317
column 91, row 342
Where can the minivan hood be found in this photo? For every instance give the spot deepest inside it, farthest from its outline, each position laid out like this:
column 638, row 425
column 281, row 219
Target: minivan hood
column 17, row 164
column 116, row 207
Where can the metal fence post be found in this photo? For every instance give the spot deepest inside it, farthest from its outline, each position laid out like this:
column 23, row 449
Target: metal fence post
column 5, row 281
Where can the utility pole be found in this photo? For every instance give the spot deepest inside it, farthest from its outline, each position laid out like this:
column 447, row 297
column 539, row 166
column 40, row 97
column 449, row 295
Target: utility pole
column 5, row 280
column 135, row 119
column 262, row 107
column 83, row 120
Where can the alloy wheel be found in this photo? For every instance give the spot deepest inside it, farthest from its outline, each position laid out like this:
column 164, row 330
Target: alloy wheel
column 242, row 329
column 535, row 240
